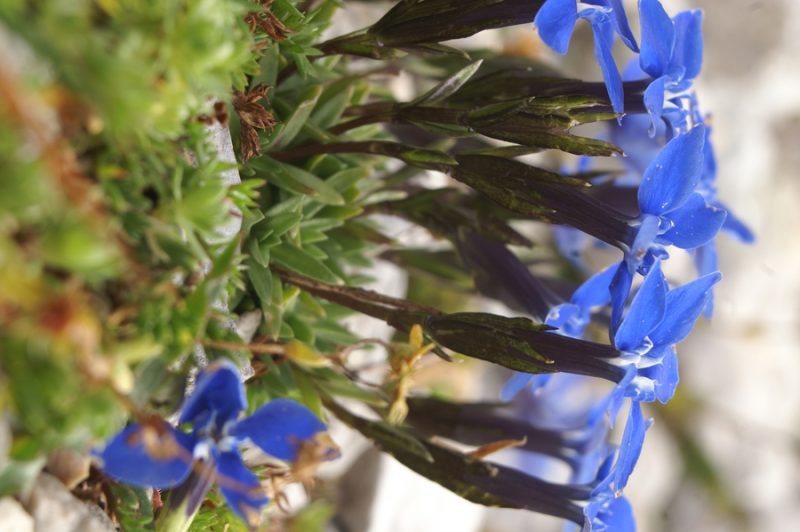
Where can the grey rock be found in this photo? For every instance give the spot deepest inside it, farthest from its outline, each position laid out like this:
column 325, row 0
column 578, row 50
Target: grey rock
column 55, row 509
column 220, row 137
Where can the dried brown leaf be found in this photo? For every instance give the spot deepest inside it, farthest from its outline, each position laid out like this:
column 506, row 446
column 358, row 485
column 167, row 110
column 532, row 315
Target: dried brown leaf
column 253, row 116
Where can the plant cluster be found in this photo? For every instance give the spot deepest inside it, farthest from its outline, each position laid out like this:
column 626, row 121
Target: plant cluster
column 188, row 210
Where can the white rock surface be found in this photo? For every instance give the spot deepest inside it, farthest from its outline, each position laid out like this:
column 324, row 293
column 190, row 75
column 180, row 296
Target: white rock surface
column 55, row 509
column 13, row 517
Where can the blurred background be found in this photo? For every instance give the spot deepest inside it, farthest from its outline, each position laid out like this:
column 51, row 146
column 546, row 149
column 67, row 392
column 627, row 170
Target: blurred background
column 725, row 454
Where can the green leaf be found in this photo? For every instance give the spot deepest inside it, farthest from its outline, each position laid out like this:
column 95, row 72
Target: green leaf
column 261, row 279
column 332, row 103
column 344, row 179
column 429, row 159
column 284, row 222
column 259, row 252
column 294, row 123
column 298, row 260
column 449, row 85
column 309, row 395
column 270, row 64
column 225, row 260
column 338, row 385
column 299, row 181
column 291, row 204
column 18, row 476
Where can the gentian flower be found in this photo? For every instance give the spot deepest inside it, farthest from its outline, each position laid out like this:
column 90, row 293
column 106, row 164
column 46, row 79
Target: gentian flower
column 673, row 212
column 642, row 360
column 672, row 54
column 556, row 20
column 568, row 425
column 658, row 318
column 642, row 150
column 155, row 454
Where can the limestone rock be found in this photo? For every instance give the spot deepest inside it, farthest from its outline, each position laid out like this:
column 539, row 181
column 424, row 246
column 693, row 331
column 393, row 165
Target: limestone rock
column 55, row 509
column 13, row 517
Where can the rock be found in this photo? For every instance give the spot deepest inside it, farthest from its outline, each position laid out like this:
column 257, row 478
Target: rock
column 13, row 517
column 55, row 509
column 5, row 442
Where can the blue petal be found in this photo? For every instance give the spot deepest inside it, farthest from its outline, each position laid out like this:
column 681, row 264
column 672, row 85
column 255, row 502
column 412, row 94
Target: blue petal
column 613, row 515
column 617, row 395
column 695, row 223
column 218, row 397
column 279, row 427
column 640, row 149
column 165, row 463
column 736, row 227
column 240, row 487
column 688, row 51
column 672, row 177
column 595, row 291
column 643, row 241
column 677, row 119
column 555, row 21
column 645, row 312
column 571, row 243
column 709, row 160
column 631, row 446
column 664, row 375
column 514, row 385
column 654, row 103
column 705, row 261
column 633, row 71
column 563, row 314
column 620, row 288
column 622, row 26
column 684, row 305
column 658, row 38
column 603, row 41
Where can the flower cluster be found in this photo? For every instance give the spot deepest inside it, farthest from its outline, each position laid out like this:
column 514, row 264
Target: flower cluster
column 670, row 171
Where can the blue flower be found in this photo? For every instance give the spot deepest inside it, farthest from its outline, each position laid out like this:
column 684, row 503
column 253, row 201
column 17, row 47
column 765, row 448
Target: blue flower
column 607, row 509
column 556, row 21
column 152, row 453
column 658, row 318
column 672, row 54
column 673, row 211
column 641, row 150
column 642, row 360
